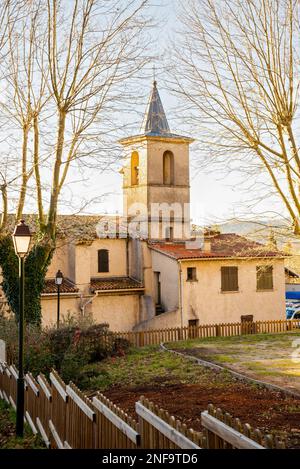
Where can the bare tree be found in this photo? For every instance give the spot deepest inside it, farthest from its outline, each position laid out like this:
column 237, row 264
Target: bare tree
column 10, row 13
column 67, row 63
column 238, row 77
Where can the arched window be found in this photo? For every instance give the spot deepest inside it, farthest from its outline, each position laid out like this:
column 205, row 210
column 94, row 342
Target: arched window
column 168, row 168
column 135, row 168
column 103, row 262
column 169, row 233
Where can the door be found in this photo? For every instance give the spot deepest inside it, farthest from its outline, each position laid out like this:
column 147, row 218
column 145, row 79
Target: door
column 193, row 325
column 248, row 326
column 157, row 288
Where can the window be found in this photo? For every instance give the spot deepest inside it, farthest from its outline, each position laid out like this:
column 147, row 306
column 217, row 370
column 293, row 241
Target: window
column 264, row 277
column 193, row 322
column 168, row 168
column 103, row 264
column 229, row 279
column 192, row 331
column 247, row 318
column 135, row 168
column 157, row 288
column 191, row 274
column 169, row 233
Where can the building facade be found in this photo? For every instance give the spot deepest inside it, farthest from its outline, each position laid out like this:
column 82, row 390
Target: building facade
column 144, row 270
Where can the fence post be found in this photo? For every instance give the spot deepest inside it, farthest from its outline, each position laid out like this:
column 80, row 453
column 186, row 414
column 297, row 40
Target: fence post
column 141, row 339
column 141, row 430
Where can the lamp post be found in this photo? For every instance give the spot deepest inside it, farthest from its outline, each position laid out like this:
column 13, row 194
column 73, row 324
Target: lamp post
column 58, row 281
column 21, row 239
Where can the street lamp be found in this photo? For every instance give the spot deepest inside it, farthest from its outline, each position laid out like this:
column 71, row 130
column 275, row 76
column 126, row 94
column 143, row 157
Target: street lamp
column 58, row 281
column 21, row 239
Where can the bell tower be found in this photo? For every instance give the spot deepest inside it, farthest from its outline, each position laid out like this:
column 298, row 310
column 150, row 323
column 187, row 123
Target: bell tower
column 156, row 183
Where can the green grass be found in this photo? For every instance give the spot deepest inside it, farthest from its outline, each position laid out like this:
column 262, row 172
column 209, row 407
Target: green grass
column 146, row 366
column 222, row 358
column 236, row 340
column 150, row 366
column 264, row 355
column 8, row 440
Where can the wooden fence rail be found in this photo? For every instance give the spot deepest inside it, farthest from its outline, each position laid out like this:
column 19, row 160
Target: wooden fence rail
column 67, row 419
column 161, row 430
column 115, row 429
column 157, row 336
column 225, row 432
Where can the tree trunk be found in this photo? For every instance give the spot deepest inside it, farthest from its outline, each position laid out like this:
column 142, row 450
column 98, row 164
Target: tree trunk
column 52, row 214
column 21, row 203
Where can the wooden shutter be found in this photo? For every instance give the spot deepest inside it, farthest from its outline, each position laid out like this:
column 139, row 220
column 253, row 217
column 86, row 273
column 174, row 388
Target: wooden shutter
column 103, row 264
column 191, row 273
column 229, row 279
column 264, row 277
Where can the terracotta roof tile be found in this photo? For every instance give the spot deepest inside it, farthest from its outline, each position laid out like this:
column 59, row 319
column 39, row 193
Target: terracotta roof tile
column 80, row 228
column 222, row 245
column 66, row 287
column 115, row 283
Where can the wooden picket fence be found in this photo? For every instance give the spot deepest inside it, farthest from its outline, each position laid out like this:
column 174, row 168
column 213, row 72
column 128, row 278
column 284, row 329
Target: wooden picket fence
column 66, row 419
column 156, row 337
column 222, row 431
column 155, row 434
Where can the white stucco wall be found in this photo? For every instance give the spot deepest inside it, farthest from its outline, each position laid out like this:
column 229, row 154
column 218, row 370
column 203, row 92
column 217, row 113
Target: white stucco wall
column 121, row 312
column 61, row 261
column 117, row 257
column 167, row 320
column 204, row 300
column 169, row 280
column 68, row 306
column 80, row 262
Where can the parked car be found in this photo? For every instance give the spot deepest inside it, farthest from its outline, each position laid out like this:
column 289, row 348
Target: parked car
column 292, row 303
column 293, row 313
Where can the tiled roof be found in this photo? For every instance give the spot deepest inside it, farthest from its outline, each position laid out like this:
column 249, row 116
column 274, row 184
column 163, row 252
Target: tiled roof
column 115, row 283
column 66, row 287
column 79, row 228
column 291, row 273
column 222, row 245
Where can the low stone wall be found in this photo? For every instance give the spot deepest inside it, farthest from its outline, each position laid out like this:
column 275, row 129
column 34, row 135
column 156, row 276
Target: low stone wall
column 162, row 321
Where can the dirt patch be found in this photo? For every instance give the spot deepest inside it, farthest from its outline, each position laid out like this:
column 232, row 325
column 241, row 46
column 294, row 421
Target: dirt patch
column 281, row 372
column 270, row 411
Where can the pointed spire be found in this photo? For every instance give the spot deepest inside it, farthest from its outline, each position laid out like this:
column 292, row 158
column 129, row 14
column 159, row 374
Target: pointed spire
column 155, row 121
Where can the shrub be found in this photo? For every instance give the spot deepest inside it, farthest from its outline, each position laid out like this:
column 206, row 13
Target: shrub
column 67, row 349
column 71, row 365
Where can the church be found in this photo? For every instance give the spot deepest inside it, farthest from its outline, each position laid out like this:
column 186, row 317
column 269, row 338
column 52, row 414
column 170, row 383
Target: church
column 146, row 269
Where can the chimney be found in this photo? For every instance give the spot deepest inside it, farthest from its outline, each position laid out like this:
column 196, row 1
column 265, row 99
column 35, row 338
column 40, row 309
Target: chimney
column 206, row 245
column 208, row 235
